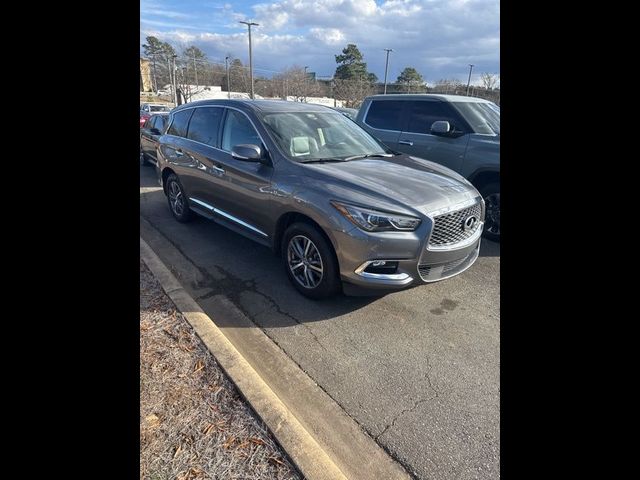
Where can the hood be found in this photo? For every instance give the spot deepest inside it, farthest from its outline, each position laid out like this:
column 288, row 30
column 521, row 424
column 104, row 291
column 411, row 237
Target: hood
column 383, row 182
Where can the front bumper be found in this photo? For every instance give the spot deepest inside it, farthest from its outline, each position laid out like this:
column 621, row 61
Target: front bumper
column 417, row 263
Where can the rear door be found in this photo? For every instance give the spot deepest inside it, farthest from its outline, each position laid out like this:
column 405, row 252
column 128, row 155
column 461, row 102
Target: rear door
column 385, row 119
column 417, row 140
column 175, row 148
column 204, row 150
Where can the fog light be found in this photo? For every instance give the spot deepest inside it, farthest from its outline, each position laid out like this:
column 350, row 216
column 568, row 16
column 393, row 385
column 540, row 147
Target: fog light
column 384, row 267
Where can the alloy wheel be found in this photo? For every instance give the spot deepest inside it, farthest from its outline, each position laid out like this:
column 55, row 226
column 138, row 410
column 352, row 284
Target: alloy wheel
column 176, row 199
column 304, row 261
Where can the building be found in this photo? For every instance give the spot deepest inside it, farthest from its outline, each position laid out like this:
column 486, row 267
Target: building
column 145, row 75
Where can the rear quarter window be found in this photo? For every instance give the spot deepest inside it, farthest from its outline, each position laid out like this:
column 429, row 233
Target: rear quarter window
column 179, row 124
column 385, row 114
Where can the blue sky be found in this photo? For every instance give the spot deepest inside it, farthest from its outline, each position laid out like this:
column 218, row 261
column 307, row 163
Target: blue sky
column 437, row 37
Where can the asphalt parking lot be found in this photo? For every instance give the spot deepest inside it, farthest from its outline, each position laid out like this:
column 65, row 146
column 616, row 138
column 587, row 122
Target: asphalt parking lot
column 419, row 369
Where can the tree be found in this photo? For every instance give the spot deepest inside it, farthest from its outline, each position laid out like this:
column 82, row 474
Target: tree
column 409, row 77
column 489, row 80
column 352, row 82
column 239, row 76
column 194, row 57
column 448, row 86
column 153, row 50
column 350, row 64
column 352, row 92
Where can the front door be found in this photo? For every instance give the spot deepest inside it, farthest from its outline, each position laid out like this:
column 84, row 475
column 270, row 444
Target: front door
column 417, row 140
column 240, row 192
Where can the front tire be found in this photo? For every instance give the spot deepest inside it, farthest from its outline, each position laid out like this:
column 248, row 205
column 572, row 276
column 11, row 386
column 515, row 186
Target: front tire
column 491, row 195
column 310, row 262
column 177, row 199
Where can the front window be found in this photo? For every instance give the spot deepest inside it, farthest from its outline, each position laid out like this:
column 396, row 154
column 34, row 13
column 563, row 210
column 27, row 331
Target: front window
column 482, row 117
column 305, row 136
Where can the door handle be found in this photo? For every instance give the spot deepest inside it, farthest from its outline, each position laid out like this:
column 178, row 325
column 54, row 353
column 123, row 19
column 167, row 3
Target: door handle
column 218, row 169
column 406, row 142
column 179, row 153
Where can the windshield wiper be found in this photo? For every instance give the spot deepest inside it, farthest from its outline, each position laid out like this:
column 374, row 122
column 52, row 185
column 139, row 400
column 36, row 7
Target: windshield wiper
column 323, row 160
column 369, row 155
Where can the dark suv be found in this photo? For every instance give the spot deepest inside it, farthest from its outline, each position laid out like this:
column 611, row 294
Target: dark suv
column 462, row 133
column 341, row 209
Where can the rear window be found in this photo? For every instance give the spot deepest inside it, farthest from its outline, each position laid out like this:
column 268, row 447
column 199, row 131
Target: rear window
column 386, row 115
column 158, row 108
column 179, row 124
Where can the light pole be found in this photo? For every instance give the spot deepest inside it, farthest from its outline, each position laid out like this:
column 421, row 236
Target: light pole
column 248, row 24
column 226, row 67
column 175, row 86
column 469, row 80
column 386, row 67
column 305, row 83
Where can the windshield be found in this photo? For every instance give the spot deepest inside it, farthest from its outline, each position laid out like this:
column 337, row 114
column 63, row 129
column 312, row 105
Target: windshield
column 483, row 117
column 158, row 108
column 305, row 136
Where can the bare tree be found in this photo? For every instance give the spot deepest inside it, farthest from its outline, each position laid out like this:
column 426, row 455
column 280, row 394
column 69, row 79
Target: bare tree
column 489, row 80
column 448, row 85
column 352, row 92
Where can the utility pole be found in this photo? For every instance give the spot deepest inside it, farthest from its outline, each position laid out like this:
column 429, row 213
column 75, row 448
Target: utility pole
column 226, row 67
column 305, row 83
column 469, row 80
column 386, row 67
column 248, row 24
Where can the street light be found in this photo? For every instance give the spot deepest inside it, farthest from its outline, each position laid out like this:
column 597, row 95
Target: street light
column 386, row 67
column 469, row 80
column 248, row 24
column 174, row 83
column 226, row 67
column 305, row 83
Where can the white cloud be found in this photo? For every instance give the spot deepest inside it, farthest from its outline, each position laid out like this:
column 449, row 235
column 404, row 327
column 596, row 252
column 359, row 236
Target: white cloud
column 438, row 38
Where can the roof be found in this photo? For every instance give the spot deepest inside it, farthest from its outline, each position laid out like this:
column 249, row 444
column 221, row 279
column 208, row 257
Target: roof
column 443, row 97
column 264, row 106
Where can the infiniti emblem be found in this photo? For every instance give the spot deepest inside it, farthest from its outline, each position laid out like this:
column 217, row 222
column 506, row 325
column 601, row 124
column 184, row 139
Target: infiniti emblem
column 469, row 222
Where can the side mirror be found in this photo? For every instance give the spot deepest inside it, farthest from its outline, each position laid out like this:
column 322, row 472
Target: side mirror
column 248, row 153
column 155, row 131
column 441, row 127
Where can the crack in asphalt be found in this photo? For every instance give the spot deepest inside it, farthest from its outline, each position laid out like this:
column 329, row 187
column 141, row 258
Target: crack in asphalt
column 415, row 405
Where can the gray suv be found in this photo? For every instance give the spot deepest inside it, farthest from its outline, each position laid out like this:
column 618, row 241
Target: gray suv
column 462, row 133
column 341, row 209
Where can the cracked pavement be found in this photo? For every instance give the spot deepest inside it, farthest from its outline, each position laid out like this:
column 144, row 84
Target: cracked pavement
column 417, row 369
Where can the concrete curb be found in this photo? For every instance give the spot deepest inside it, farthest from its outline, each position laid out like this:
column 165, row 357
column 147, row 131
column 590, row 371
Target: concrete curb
column 304, row 451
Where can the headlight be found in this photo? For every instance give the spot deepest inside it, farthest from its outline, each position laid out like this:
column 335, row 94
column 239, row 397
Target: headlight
column 375, row 221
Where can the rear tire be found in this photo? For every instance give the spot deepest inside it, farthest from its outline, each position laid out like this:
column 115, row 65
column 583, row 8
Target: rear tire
column 491, row 195
column 310, row 261
column 177, row 199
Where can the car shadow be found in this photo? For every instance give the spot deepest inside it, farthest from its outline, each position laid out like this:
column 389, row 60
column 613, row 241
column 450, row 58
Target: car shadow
column 148, row 176
column 489, row 248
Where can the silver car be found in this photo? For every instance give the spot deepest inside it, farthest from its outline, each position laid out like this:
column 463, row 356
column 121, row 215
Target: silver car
column 341, row 210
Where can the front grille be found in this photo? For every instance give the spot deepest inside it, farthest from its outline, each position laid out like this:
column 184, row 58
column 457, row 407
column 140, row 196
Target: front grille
column 449, row 228
column 432, row 273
